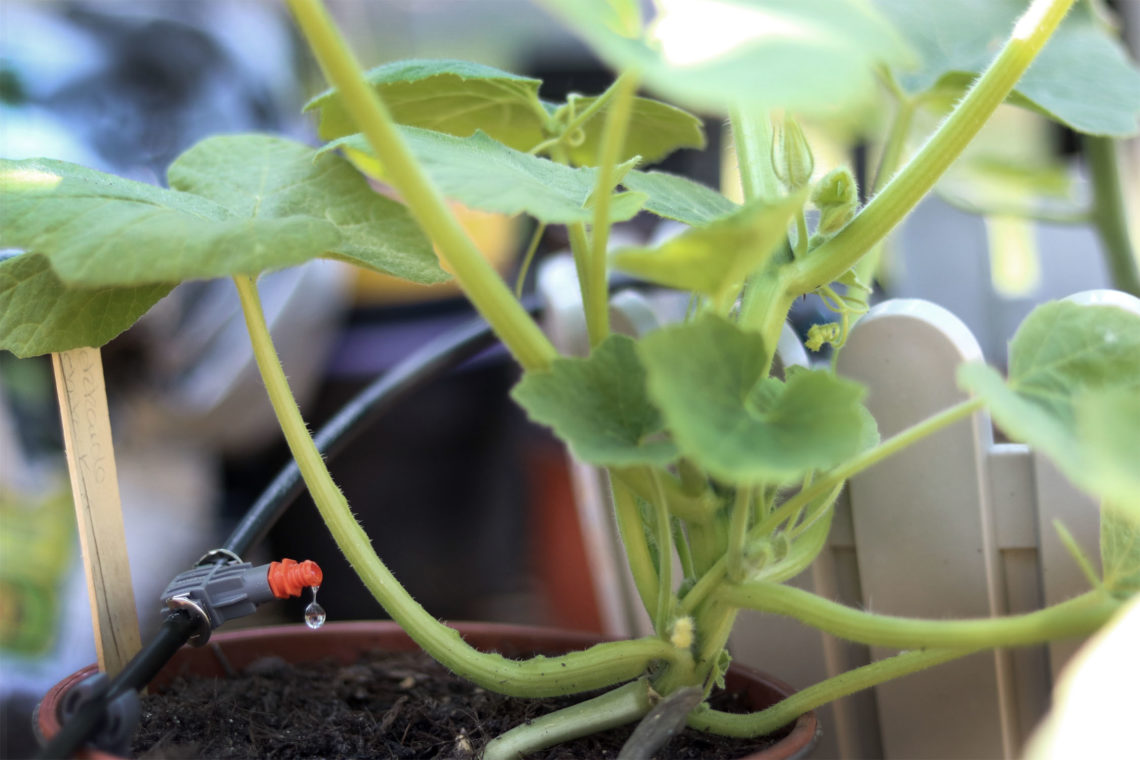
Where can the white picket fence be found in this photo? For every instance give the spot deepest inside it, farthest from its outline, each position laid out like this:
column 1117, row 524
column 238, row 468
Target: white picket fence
column 955, row 526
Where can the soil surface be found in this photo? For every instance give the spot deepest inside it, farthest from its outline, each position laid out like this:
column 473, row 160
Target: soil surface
column 384, row 706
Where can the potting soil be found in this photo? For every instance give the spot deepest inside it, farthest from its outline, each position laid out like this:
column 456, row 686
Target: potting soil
column 401, row 705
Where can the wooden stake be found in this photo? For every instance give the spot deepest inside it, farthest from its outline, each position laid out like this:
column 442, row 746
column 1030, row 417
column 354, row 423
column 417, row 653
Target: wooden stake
column 98, row 510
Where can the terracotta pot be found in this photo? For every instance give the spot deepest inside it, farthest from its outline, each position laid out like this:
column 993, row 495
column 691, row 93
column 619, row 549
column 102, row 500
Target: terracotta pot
column 345, row 641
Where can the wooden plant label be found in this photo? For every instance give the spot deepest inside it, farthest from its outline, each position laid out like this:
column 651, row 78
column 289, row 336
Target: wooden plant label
column 95, row 488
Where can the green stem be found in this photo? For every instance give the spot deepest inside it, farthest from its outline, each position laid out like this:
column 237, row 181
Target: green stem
column 478, row 279
column 752, row 139
column 908, row 186
column 528, row 257
column 623, row 705
column 738, row 532
column 599, row 666
column 644, row 481
column 787, row 710
column 631, row 530
column 888, row 164
column 684, row 554
column 663, row 538
column 1108, row 213
column 613, row 141
column 713, row 625
column 1076, row 617
column 868, row 458
column 767, row 301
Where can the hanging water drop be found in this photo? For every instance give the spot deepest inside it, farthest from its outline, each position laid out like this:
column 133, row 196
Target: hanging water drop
column 314, row 613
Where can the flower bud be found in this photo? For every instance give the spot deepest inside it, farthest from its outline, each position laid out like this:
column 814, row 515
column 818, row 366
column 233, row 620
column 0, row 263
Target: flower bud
column 791, row 155
column 837, row 198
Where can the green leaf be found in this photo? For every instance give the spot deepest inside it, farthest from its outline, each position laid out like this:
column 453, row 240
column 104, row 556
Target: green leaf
column 454, row 97
column 1108, row 426
column 253, row 203
column 257, row 176
column 1120, row 551
column 1073, row 393
column 815, row 57
column 599, row 407
column 655, row 130
column 38, row 315
column 742, row 428
column 716, row 258
column 679, row 198
column 1082, row 78
column 485, row 174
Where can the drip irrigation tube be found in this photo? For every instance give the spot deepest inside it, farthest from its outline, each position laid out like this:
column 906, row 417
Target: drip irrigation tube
column 433, row 359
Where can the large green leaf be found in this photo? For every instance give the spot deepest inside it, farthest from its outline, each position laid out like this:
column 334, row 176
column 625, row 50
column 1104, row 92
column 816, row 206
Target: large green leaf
column 706, row 379
column 655, row 130
column 484, row 174
column 1074, row 393
column 1120, row 550
column 599, row 407
column 715, row 259
column 454, row 97
column 39, row 315
column 278, row 178
column 679, row 198
column 252, row 203
column 1082, row 78
column 811, row 56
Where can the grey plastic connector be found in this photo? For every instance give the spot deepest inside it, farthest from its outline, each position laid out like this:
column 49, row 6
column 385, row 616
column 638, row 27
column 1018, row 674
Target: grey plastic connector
column 214, row 594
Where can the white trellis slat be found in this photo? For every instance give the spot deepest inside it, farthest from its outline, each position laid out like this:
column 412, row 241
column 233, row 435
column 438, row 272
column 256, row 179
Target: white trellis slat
column 956, row 526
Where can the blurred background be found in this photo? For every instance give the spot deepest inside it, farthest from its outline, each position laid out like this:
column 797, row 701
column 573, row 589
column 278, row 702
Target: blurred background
column 453, row 485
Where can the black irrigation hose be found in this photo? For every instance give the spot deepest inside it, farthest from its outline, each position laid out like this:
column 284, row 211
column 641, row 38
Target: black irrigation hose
column 431, row 360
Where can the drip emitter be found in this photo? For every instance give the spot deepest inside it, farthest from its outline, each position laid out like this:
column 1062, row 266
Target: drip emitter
column 214, row 593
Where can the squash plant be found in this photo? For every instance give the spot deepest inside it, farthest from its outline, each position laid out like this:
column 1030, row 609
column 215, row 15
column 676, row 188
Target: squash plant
column 716, row 464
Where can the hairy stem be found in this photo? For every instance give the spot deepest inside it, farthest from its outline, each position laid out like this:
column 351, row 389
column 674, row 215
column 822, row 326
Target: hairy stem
column 623, row 705
column 599, row 666
column 786, row 711
column 478, row 279
column 888, row 165
column 752, row 140
column 738, row 532
column 613, row 141
column 908, row 186
column 1079, row 616
column 631, row 530
column 1108, row 214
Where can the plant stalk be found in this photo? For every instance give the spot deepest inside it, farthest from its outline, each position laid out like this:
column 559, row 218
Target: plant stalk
column 632, row 533
column 1075, row 617
column 784, row 712
column 909, row 185
column 1108, row 215
column 623, row 705
column 752, row 140
column 613, row 141
column 597, row 667
column 888, row 165
column 478, row 279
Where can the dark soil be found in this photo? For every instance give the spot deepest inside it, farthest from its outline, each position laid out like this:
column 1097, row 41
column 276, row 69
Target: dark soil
column 384, row 706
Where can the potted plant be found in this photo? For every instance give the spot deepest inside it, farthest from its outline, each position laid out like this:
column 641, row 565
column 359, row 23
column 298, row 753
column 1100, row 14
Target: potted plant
column 722, row 473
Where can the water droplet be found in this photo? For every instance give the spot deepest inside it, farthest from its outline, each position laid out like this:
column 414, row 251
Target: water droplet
column 314, row 613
